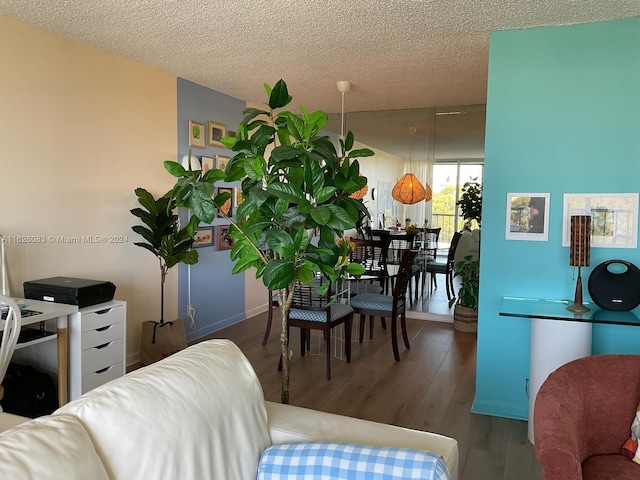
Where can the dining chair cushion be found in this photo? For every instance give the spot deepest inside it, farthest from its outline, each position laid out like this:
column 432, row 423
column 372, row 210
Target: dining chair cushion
column 338, row 310
column 363, row 287
column 327, row 460
column 373, row 301
column 437, row 267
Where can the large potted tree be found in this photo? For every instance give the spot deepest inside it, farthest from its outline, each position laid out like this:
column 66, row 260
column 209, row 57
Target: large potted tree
column 296, row 188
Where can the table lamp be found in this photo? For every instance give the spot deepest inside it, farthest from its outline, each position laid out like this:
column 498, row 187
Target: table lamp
column 579, row 255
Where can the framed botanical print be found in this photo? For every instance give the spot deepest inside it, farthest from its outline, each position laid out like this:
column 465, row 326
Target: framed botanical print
column 196, row 134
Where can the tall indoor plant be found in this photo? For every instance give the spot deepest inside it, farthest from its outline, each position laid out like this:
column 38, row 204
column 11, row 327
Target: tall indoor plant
column 164, row 237
column 296, row 190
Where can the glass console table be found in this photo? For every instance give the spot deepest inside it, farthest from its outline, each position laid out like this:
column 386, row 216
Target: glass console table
column 558, row 335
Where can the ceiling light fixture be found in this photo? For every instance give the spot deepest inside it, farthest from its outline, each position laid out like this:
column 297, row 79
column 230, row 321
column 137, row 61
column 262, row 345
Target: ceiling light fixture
column 409, row 190
column 343, row 87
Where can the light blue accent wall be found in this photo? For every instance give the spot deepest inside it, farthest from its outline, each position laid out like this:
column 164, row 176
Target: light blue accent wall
column 216, row 294
column 563, row 116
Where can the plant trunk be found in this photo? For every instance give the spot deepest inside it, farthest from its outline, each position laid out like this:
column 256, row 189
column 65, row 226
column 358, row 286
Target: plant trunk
column 285, row 297
column 163, row 276
column 284, row 345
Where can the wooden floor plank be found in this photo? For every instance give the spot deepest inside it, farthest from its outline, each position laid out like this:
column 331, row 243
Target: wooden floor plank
column 431, row 388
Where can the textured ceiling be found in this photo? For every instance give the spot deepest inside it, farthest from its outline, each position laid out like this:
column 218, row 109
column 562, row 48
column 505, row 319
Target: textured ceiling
column 396, row 53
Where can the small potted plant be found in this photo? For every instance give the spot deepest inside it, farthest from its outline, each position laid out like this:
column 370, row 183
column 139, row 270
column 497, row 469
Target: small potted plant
column 465, row 313
column 407, row 223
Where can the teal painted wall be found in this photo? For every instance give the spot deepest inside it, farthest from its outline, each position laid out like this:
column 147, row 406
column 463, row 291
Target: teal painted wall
column 563, row 116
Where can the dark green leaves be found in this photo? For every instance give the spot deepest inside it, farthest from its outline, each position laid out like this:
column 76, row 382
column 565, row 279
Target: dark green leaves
column 279, row 96
column 161, row 230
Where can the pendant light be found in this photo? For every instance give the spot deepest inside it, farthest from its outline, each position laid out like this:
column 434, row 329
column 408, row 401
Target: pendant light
column 409, row 190
column 343, row 87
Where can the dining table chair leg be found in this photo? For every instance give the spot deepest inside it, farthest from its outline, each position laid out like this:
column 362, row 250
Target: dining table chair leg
column 328, row 348
column 269, row 321
column 394, row 339
column 403, row 325
column 347, row 338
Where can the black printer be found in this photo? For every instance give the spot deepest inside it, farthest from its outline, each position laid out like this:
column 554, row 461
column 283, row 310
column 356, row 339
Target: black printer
column 72, row 291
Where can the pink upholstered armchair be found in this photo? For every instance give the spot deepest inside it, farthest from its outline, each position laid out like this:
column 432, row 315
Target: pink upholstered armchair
column 583, row 415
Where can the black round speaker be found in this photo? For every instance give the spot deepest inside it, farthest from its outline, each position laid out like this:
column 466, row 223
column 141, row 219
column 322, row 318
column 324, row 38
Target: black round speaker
column 615, row 285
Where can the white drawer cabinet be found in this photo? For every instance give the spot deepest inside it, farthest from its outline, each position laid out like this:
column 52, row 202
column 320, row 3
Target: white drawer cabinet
column 97, row 346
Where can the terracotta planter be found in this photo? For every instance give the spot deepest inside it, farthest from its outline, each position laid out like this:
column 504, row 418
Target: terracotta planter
column 465, row 319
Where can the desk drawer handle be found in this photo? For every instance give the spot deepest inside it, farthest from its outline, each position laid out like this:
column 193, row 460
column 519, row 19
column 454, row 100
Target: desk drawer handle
column 104, row 370
column 102, row 312
column 104, row 345
column 102, row 329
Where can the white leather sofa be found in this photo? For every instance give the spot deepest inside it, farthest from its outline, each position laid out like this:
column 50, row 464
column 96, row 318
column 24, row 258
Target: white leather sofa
column 199, row 414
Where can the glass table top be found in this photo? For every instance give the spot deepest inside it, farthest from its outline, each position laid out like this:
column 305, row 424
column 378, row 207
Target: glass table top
column 557, row 310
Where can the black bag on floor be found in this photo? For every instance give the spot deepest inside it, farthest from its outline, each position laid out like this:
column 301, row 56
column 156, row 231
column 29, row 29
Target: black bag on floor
column 28, row 392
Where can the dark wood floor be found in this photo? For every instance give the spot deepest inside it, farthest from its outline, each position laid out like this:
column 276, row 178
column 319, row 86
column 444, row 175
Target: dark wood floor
column 431, row 388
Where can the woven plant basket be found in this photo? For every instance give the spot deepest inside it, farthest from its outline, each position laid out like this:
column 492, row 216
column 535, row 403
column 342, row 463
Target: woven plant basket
column 465, row 319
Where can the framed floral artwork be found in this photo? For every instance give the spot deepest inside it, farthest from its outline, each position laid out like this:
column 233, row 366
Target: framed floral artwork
column 207, row 164
column 216, row 132
column 203, row 237
column 221, row 162
column 224, row 241
column 196, row 134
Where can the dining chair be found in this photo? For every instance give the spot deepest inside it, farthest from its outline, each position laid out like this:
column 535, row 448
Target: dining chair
column 388, row 306
column 313, row 311
column 445, row 268
column 372, row 255
column 13, row 323
column 431, row 237
column 401, row 243
column 428, row 249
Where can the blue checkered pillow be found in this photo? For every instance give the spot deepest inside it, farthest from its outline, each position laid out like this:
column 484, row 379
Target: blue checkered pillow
column 343, row 461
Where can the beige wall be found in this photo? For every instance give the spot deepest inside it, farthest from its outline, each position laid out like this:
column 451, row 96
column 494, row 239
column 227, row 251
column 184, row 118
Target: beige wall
column 80, row 129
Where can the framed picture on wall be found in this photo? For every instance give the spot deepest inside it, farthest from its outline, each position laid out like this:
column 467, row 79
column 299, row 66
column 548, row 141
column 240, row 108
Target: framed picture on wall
column 207, row 164
column 221, row 162
column 203, row 237
column 614, row 218
column 216, row 132
column 527, row 216
column 196, row 134
column 224, row 241
column 226, row 208
column 238, row 198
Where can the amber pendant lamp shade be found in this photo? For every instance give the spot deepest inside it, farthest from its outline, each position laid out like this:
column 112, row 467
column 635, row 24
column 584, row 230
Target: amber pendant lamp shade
column 408, row 190
column 579, row 255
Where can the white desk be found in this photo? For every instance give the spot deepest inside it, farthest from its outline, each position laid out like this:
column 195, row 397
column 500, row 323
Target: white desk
column 51, row 311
